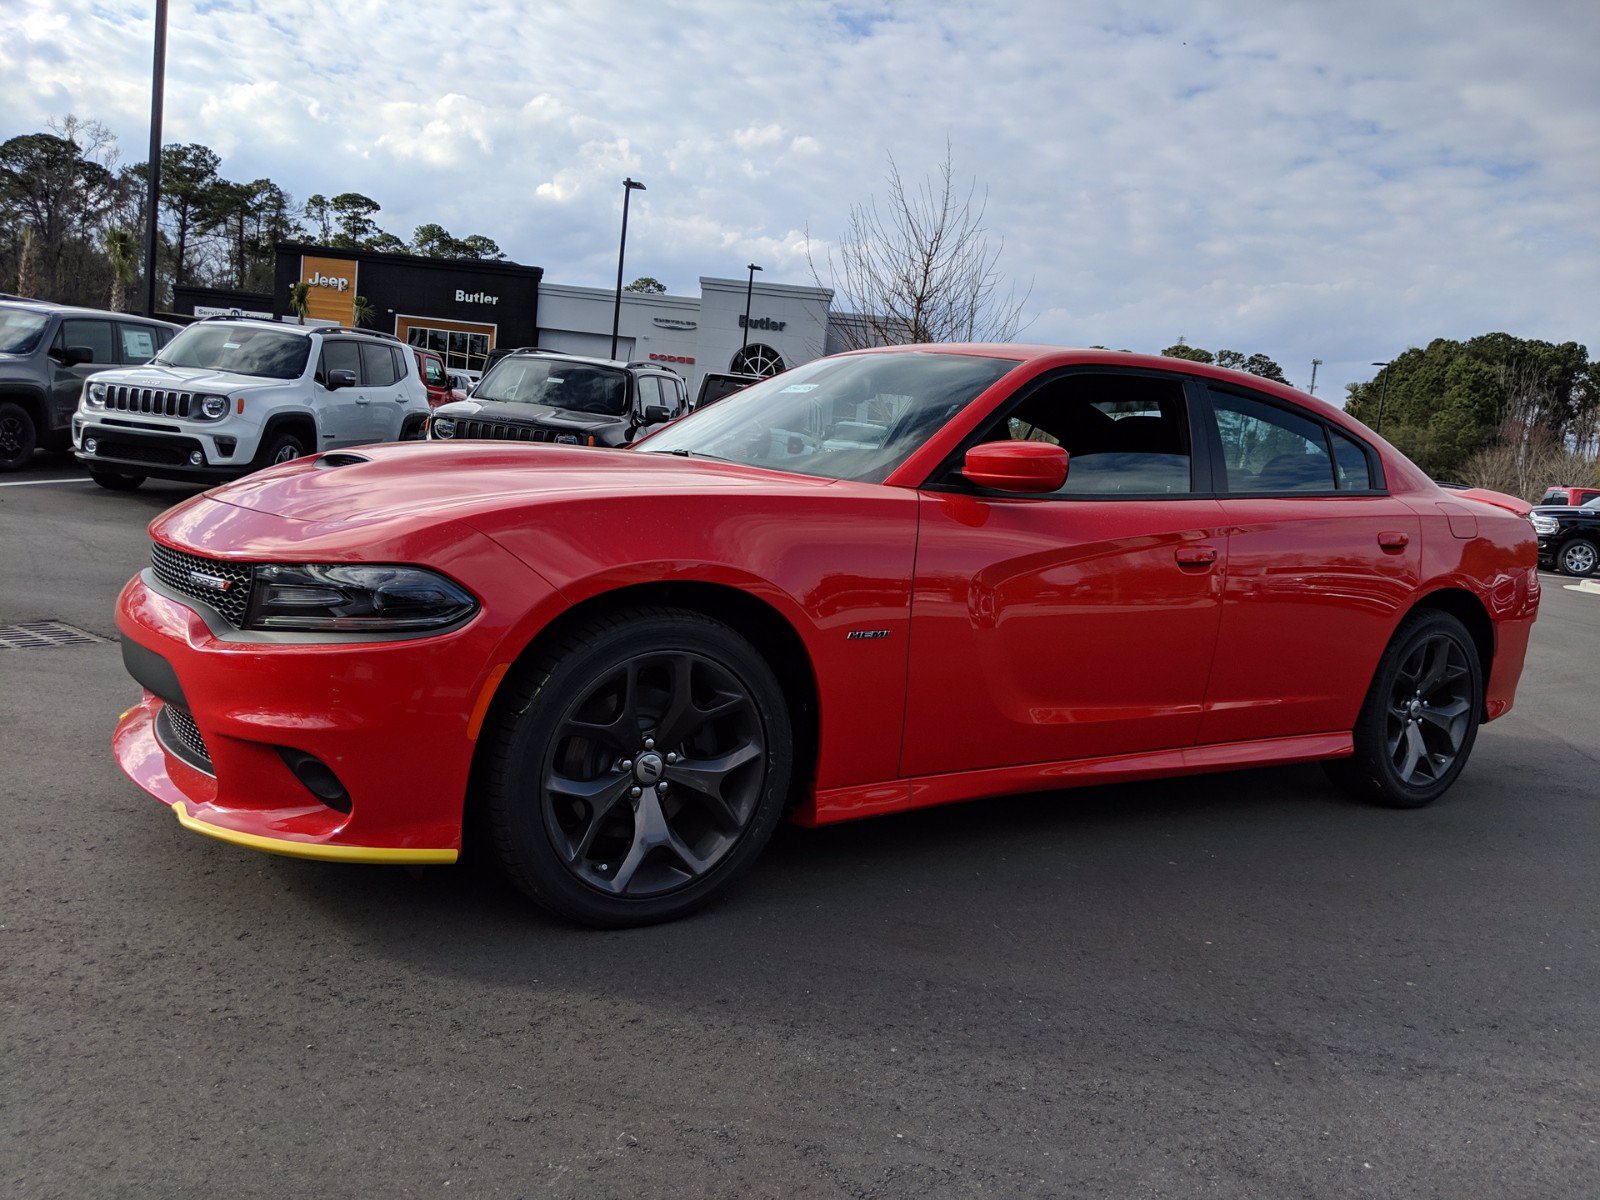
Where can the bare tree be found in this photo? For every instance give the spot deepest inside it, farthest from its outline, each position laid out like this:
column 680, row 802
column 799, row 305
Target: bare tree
column 1524, row 461
column 920, row 266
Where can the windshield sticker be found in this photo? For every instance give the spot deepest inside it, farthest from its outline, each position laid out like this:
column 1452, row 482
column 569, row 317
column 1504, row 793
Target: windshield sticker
column 800, row 387
column 231, row 345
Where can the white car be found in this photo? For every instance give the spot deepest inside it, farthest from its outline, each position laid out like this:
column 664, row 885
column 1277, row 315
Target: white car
column 230, row 395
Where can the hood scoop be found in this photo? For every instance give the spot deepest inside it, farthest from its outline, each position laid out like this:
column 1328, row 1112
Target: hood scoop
column 340, row 458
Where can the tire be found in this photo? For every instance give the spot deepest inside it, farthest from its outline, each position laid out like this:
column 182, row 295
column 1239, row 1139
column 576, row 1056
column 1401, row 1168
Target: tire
column 280, row 448
column 117, row 481
column 1420, row 718
column 18, row 437
column 592, row 818
column 1579, row 556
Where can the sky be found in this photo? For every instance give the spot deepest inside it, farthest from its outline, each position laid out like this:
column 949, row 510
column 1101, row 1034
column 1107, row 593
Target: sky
column 1336, row 180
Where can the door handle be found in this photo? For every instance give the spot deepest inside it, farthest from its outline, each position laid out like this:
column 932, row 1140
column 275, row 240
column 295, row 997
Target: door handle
column 1195, row 556
column 363, row 399
column 1393, row 539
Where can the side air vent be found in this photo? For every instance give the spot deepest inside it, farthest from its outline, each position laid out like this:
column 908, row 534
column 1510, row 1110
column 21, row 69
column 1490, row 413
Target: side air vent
column 340, row 458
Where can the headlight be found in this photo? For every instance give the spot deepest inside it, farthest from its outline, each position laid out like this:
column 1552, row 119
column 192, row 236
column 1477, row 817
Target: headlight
column 442, row 427
column 355, row 598
column 94, row 395
column 1544, row 524
column 210, row 408
column 567, row 439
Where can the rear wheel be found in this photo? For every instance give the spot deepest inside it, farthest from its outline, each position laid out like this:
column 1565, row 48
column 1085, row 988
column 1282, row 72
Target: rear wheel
column 117, row 481
column 1578, row 557
column 637, row 768
column 18, row 437
column 1420, row 718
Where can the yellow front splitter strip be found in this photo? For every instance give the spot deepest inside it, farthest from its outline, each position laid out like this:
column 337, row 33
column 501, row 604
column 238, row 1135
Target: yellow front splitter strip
column 349, row 854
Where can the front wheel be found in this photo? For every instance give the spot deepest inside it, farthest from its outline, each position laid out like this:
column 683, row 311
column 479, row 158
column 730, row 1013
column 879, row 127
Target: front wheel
column 117, row 481
column 1578, row 557
column 636, row 769
column 18, row 437
column 1420, row 718
column 281, row 448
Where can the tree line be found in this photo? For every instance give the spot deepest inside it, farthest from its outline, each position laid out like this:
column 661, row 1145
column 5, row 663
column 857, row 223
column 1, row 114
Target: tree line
column 72, row 220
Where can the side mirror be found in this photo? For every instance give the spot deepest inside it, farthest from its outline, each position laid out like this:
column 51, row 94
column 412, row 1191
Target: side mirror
column 1027, row 467
column 74, row 356
column 654, row 414
column 340, row 379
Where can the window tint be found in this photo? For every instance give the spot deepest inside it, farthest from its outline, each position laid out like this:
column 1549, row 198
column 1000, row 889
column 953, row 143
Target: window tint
column 436, row 375
column 1350, row 463
column 138, row 343
column 1269, row 449
column 378, row 364
column 94, row 334
column 341, row 356
column 163, row 335
column 1123, row 434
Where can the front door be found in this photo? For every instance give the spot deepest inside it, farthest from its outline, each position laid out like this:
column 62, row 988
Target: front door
column 341, row 412
column 1077, row 625
column 99, row 338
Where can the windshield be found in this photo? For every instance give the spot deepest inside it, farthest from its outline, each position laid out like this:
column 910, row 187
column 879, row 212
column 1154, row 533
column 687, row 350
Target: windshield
column 20, row 330
column 854, row 417
column 239, row 349
column 577, row 387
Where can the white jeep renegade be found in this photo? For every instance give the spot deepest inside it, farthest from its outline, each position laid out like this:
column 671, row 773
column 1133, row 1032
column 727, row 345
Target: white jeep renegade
column 230, row 395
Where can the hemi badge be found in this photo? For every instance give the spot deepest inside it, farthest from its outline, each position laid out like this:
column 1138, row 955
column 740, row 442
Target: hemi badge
column 865, row 635
column 215, row 582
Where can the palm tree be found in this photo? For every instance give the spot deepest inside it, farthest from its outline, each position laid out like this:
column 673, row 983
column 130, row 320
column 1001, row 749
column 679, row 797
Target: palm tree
column 362, row 311
column 123, row 250
column 300, row 299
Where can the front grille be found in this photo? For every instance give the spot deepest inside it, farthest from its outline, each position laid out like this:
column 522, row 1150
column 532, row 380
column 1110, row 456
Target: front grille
column 159, row 402
column 500, row 431
column 225, row 586
column 185, row 731
column 154, row 453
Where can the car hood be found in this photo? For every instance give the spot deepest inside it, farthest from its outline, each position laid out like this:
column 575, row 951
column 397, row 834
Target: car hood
column 445, row 481
column 526, row 414
column 192, row 379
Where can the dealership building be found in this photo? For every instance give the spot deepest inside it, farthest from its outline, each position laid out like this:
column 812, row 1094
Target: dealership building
column 465, row 308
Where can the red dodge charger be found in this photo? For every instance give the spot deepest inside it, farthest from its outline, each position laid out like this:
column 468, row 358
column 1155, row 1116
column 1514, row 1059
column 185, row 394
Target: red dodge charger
column 882, row 580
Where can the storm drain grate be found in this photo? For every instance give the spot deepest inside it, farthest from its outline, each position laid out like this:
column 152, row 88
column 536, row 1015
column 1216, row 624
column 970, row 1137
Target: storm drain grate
column 41, row 635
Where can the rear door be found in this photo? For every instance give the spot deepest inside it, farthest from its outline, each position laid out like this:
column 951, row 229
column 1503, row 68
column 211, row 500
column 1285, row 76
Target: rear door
column 1321, row 564
column 1076, row 625
column 382, row 375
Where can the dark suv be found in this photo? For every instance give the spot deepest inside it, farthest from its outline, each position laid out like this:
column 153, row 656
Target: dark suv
column 46, row 353
column 539, row 396
column 1569, row 537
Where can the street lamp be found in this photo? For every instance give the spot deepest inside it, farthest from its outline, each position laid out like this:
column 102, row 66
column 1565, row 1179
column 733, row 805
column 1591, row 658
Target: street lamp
column 1315, row 363
column 749, row 287
column 152, row 200
column 1382, row 392
column 628, row 186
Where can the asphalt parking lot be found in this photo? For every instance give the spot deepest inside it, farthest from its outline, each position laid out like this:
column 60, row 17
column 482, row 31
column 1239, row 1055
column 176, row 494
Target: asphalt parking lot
column 1239, row 985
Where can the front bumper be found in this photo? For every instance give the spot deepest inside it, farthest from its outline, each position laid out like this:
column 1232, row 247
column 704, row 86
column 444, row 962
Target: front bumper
column 389, row 719
column 146, row 452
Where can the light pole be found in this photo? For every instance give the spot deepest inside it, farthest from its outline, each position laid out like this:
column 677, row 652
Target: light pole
column 628, row 186
column 1383, row 392
column 1315, row 363
column 749, row 287
column 152, row 200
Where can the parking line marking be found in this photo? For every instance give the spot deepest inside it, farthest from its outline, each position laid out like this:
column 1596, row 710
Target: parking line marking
column 40, row 482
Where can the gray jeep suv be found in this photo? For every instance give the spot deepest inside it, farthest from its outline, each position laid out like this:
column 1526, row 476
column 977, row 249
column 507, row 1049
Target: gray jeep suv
column 47, row 351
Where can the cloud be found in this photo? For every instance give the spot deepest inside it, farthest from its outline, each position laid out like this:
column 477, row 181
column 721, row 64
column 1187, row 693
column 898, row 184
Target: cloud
column 1308, row 180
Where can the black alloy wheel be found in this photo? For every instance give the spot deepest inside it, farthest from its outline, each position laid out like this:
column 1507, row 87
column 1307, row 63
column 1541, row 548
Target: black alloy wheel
column 1420, row 718
column 638, row 768
column 1578, row 557
column 18, row 437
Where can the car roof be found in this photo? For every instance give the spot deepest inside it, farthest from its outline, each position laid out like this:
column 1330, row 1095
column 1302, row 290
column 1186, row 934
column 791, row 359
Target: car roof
column 577, row 358
column 73, row 310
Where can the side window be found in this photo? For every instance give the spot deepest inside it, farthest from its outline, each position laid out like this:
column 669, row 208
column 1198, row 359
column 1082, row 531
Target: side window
column 341, row 356
column 94, row 334
column 1124, row 435
column 436, row 375
column 1350, row 463
column 681, row 388
column 163, row 336
column 1269, row 449
column 138, row 343
column 378, row 365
